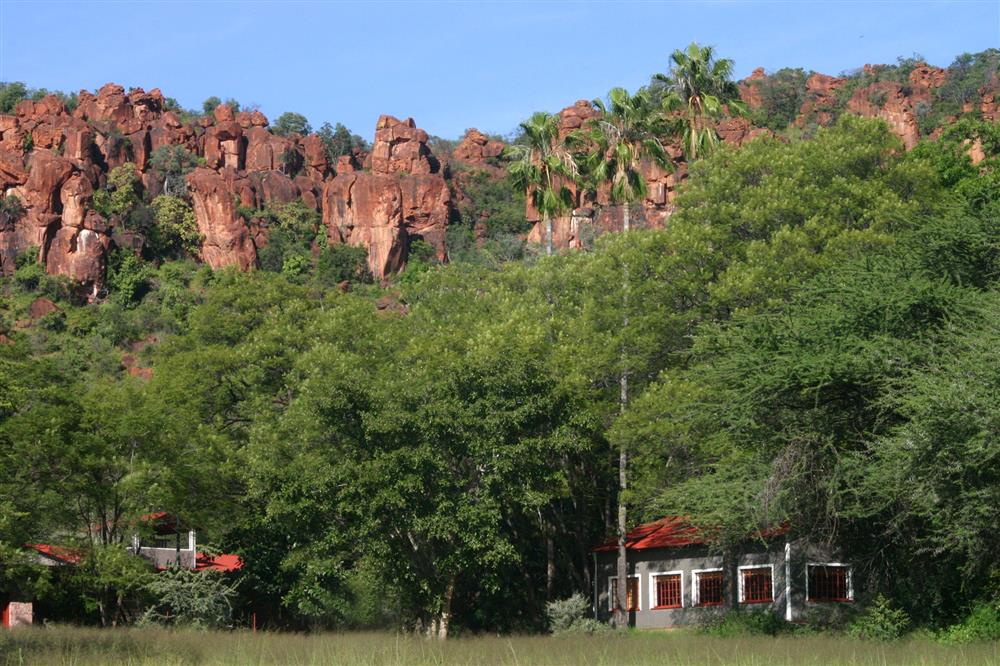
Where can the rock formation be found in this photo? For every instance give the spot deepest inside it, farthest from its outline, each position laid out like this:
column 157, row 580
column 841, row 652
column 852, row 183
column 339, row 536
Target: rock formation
column 477, row 148
column 54, row 161
column 404, row 197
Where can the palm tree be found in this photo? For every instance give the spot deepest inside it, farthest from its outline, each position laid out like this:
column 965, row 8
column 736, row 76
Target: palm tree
column 699, row 89
column 541, row 166
column 622, row 138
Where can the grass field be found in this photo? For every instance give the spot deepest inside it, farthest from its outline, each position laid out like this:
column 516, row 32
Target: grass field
column 67, row 646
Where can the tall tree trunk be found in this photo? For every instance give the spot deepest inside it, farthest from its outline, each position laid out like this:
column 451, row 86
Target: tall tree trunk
column 548, row 235
column 550, row 565
column 626, row 217
column 440, row 625
column 621, row 614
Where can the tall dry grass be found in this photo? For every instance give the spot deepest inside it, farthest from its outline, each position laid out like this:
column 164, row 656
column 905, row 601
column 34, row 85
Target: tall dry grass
column 71, row 646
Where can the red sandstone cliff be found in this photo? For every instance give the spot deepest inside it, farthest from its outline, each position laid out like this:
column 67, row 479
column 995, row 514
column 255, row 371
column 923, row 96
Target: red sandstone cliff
column 53, row 161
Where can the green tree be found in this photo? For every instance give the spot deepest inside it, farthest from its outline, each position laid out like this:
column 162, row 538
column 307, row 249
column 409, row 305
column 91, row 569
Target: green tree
column 541, row 165
column 208, row 106
column 339, row 141
column 176, row 229
column 700, row 89
column 120, row 196
column 10, row 94
column 173, row 162
column 291, row 123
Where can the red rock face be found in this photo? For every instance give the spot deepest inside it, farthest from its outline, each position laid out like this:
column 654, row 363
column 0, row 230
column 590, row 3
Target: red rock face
column 366, row 209
column 476, row 148
column 750, row 93
column 227, row 237
column 821, row 99
column 886, row 100
column 400, row 147
column 402, row 199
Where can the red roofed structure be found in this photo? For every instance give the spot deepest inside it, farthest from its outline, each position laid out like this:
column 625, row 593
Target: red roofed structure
column 675, row 575
column 223, row 563
column 669, row 532
column 55, row 555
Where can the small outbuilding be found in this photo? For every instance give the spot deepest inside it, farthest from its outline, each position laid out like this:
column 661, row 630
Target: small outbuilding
column 675, row 578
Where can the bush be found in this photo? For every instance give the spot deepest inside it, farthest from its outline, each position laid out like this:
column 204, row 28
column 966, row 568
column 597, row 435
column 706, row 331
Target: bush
column 745, row 623
column 198, row 599
column 570, row 616
column 982, row 624
column 128, row 278
column 337, row 263
column 175, row 230
column 881, row 622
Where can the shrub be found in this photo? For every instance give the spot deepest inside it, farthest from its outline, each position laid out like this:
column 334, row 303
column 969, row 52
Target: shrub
column 198, row 599
column 337, row 263
column 745, row 623
column 208, row 106
column 881, row 622
column 175, row 231
column 570, row 616
column 11, row 207
column 128, row 278
column 121, row 194
column 172, row 162
column 562, row 613
column 982, row 624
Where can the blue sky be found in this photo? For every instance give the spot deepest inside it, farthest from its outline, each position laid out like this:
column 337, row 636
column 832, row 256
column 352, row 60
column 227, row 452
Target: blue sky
column 451, row 65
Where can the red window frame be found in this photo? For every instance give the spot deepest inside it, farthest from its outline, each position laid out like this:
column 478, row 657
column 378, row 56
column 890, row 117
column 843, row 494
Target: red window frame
column 667, row 591
column 711, row 588
column 758, row 585
column 828, row 583
column 631, row 594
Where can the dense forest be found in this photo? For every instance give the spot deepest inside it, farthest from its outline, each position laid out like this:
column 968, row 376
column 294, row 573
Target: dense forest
column 812, row 339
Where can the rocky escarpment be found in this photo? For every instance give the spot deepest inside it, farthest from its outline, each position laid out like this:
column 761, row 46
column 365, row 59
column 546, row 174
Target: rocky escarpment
column 401, row 196
column 54, row 161
column 898, row 96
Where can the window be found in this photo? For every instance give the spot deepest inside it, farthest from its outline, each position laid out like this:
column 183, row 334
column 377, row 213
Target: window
column 755, row 584
column 667, row 590
column 708, row 587
column 631, row 593
column 829, row 582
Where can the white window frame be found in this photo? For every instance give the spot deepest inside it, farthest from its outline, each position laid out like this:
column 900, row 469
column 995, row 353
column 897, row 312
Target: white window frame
column 652, row 589
column 739, row 575
column 694, row 583
column 638, row 593
column 850, row 580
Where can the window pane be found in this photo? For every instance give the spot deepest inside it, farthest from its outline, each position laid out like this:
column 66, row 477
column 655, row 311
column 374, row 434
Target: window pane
column 631, row 593
column 757, row 585
column 668, row 591
column 709, row 588
column 828, row 583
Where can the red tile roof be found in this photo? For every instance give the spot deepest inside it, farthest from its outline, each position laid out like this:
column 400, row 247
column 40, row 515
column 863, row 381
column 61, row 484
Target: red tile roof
column 63, row 554
column 218, row 562
column 670, row 532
